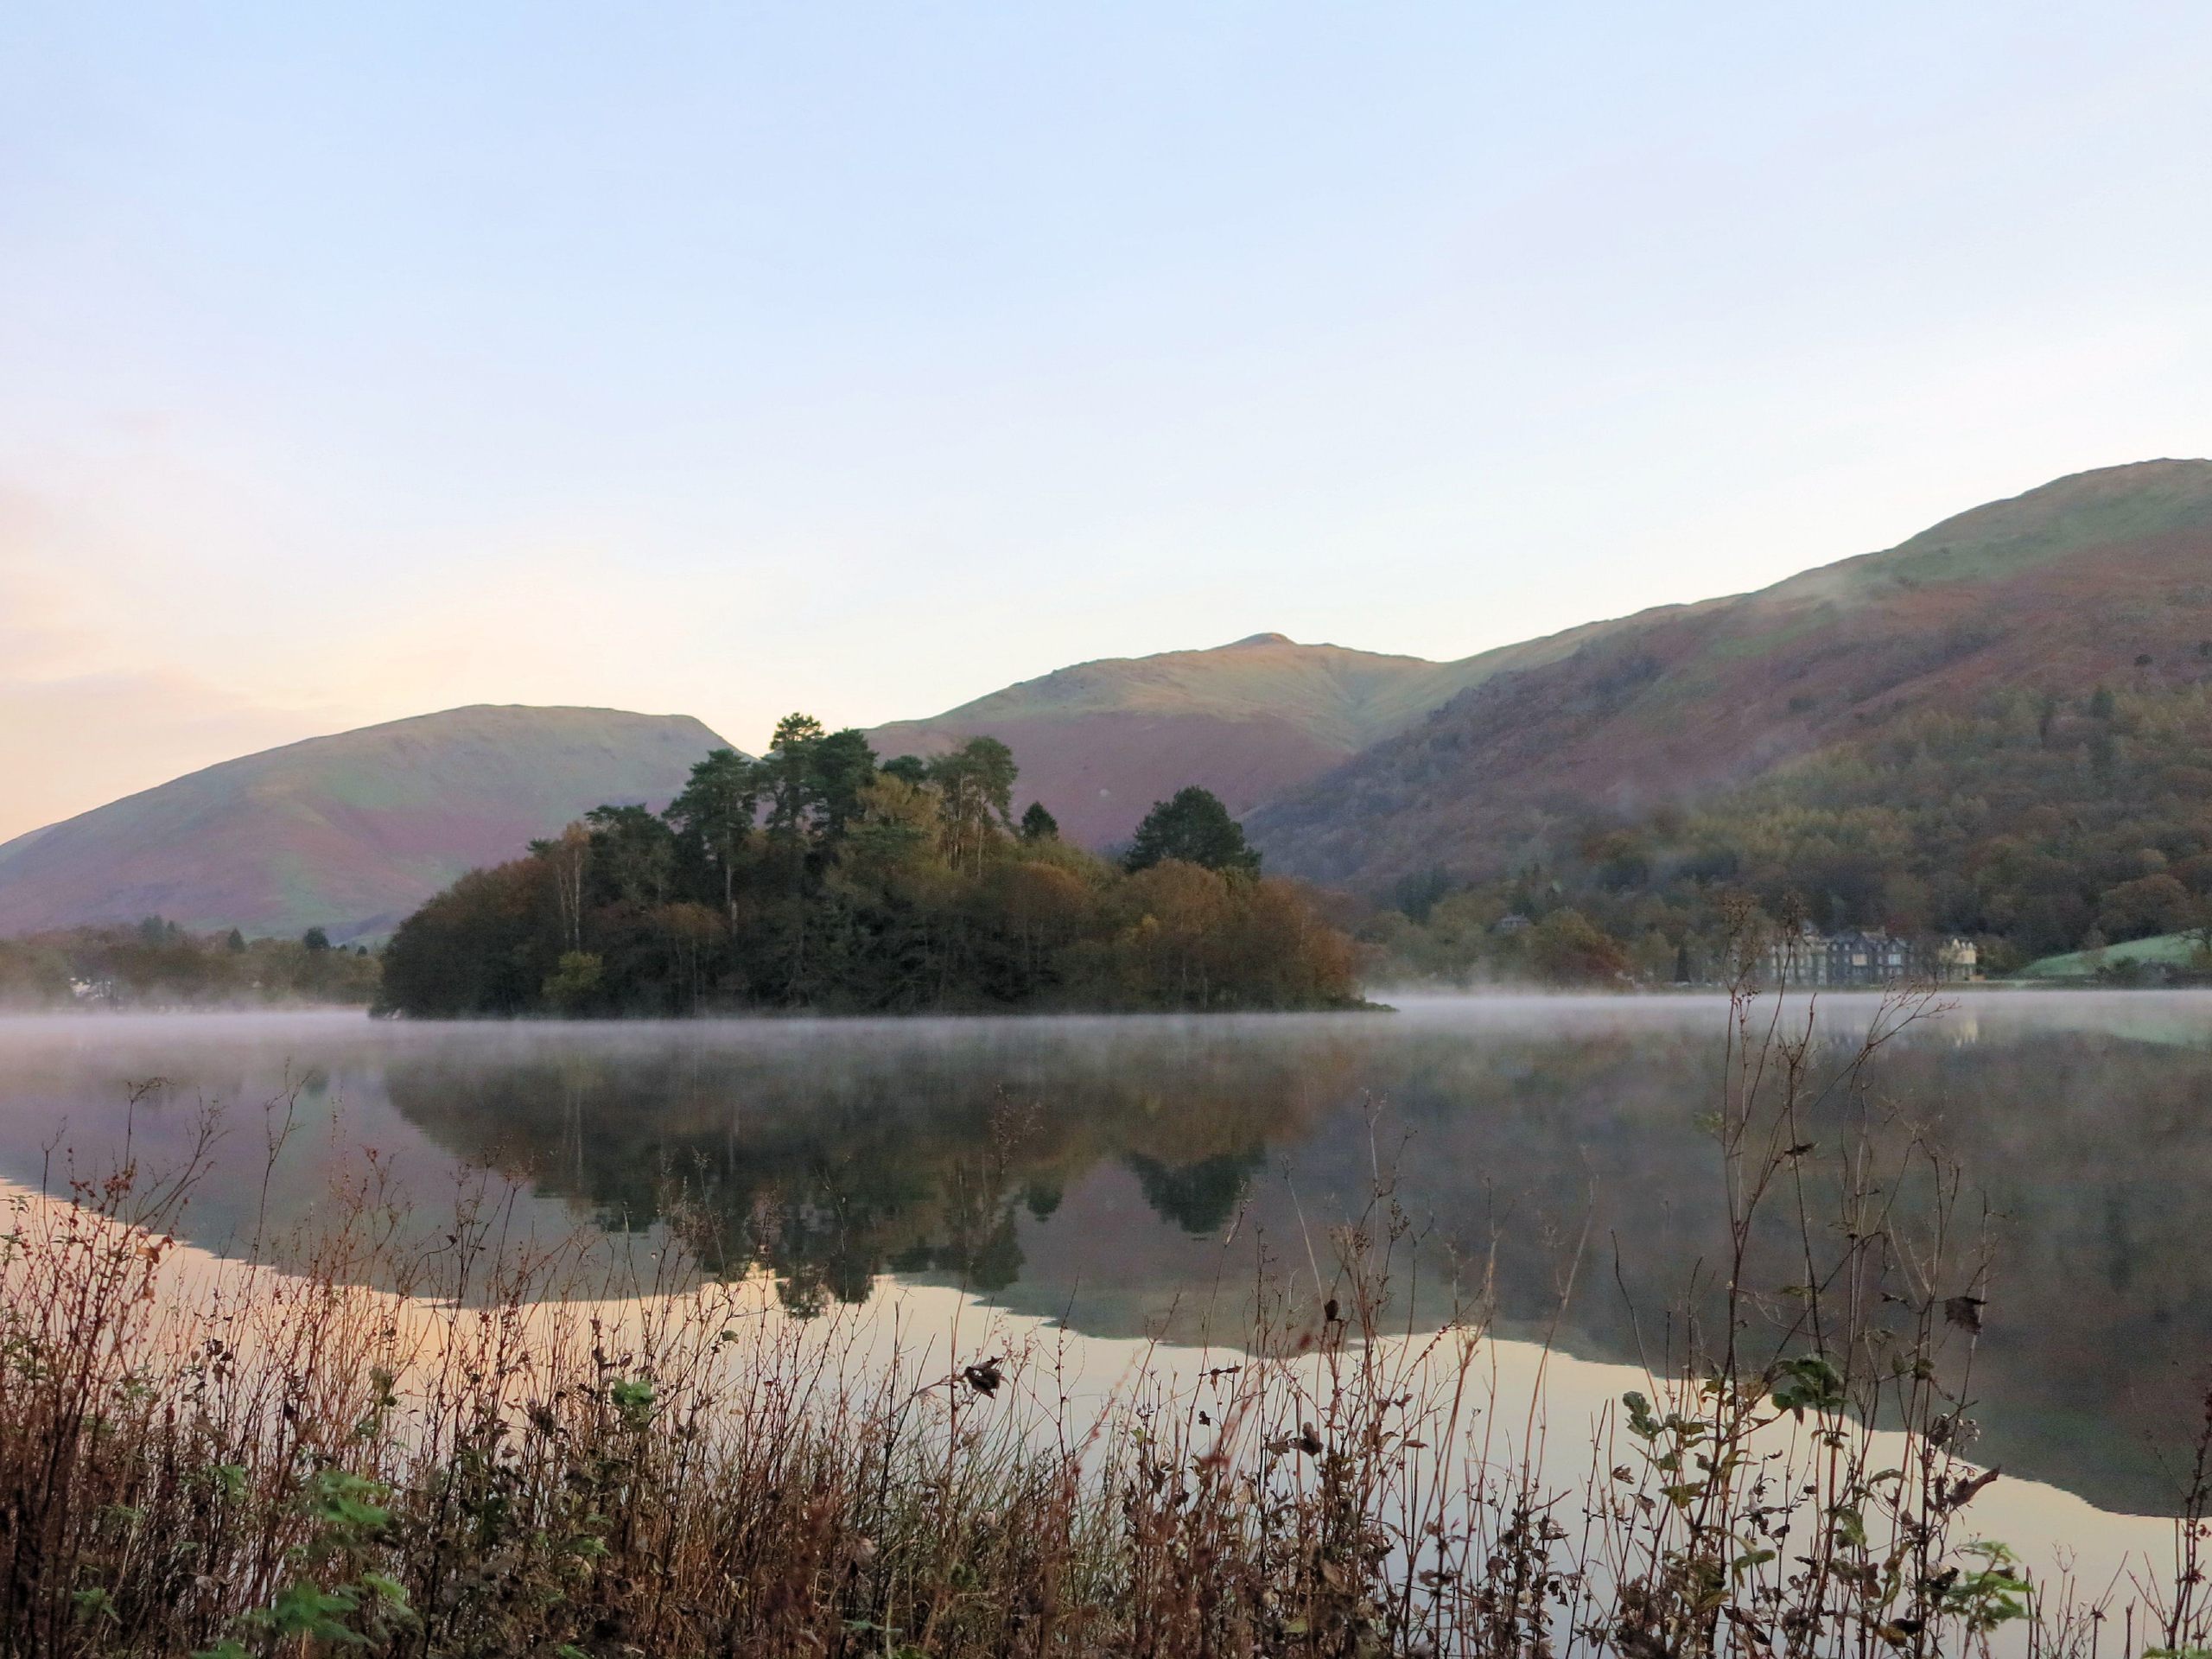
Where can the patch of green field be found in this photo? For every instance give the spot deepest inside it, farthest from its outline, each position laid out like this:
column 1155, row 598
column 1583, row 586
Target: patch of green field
column 2174, row 949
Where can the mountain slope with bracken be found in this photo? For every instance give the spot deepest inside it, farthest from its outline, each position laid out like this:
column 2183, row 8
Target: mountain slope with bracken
column 348, row 833
column 2101, row 577
column 1099, row 742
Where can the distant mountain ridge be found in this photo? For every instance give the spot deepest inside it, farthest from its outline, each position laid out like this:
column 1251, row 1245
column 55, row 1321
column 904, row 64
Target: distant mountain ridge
column 1350, row 767
column 348, row 832
column 1098, row 743
column 2104, row 575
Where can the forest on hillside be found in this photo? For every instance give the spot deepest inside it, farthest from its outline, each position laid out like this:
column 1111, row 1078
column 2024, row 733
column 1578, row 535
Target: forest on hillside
column 817, row 877
column 2030, row 822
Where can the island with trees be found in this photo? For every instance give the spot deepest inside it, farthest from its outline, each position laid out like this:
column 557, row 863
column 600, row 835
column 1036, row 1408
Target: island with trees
column 817, row 877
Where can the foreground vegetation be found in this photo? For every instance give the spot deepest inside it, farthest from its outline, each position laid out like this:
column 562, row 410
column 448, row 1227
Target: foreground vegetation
column 245, row 1461
column 815, row 878
column 157, row 964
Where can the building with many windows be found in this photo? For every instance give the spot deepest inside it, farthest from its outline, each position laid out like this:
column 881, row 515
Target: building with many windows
column 1816, row 960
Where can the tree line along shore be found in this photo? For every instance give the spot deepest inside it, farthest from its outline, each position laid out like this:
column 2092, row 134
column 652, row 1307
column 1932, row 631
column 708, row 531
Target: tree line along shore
column 2053, row 837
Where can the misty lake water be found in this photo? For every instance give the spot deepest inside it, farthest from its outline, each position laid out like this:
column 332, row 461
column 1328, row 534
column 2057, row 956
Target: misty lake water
column 1126, row 1175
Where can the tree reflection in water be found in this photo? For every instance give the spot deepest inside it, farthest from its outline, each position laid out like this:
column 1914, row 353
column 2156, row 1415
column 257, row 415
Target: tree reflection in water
column 1135, row 1175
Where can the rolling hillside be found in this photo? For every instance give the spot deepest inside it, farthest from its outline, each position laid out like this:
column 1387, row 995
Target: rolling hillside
column 1098, row 743
column 2104, row 577
column 1358, row 768
column 349, row 832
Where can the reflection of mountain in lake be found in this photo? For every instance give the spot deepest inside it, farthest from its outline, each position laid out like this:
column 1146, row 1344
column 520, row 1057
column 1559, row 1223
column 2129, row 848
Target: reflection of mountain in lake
column 1092, row 1170
column 1128, row 1174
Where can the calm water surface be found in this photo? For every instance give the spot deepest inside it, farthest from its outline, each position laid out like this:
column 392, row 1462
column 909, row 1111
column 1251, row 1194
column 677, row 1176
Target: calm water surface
column 1128, row 1175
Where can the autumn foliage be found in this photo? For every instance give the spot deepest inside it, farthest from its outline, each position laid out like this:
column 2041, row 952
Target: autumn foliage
column 816, row 877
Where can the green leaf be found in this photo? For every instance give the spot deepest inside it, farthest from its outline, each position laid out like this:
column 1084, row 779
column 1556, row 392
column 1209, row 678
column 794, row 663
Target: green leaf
column 1849, row 1525
column 1808, row 1381
column 303, row 1610
column 385, row 1589
column 1641, row 1422
column 95, row 1603
column 342, row 1501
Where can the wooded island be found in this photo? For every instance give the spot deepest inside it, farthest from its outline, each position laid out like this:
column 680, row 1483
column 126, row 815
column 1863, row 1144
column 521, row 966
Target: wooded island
column 817, row 877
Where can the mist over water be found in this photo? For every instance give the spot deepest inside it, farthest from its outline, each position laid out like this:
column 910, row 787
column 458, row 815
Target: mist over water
column 1128, row 1175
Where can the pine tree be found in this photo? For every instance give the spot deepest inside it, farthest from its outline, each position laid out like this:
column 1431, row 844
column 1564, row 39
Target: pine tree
column 1195, row 828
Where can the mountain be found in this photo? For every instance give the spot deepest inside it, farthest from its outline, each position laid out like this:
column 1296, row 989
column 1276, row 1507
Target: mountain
column 348, row 833
column 1349, row 766
column 1100, row 742
column 2103, row 577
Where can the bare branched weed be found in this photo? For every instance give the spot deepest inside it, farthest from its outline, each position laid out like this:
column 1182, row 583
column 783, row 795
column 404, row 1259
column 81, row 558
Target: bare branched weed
column 509, row 1450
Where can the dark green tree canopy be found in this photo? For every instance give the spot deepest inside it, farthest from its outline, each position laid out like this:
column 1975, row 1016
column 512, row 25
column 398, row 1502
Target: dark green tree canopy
column 981, row 771
column 814, row 878
column 810, row 781
column 975, row 783
column 843, row 763
column 1195, row 828
column 315, row 939
column 712, row 817
column 633, row 855
column 718, row 805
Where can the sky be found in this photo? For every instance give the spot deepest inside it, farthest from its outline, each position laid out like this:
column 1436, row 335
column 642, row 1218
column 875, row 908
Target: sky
column 357, row 362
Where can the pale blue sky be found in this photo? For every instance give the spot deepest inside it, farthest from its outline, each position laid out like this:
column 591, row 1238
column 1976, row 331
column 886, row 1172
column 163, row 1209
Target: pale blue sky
column 360, row 361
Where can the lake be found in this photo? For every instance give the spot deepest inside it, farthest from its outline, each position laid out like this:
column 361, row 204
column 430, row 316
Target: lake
column 1133, row 1175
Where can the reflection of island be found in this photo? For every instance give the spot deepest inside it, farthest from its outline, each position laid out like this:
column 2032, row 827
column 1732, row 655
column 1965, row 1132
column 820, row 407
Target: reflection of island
column 922, row 1159
column 1094, row 1174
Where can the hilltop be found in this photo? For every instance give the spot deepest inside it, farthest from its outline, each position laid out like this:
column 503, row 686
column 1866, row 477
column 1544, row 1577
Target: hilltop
column 348, row 832
column 1099, row 742
column 1908, row 737
column 2103, row 578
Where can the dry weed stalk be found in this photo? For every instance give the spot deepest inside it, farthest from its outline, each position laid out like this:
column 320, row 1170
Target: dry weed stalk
column 258, row 1461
